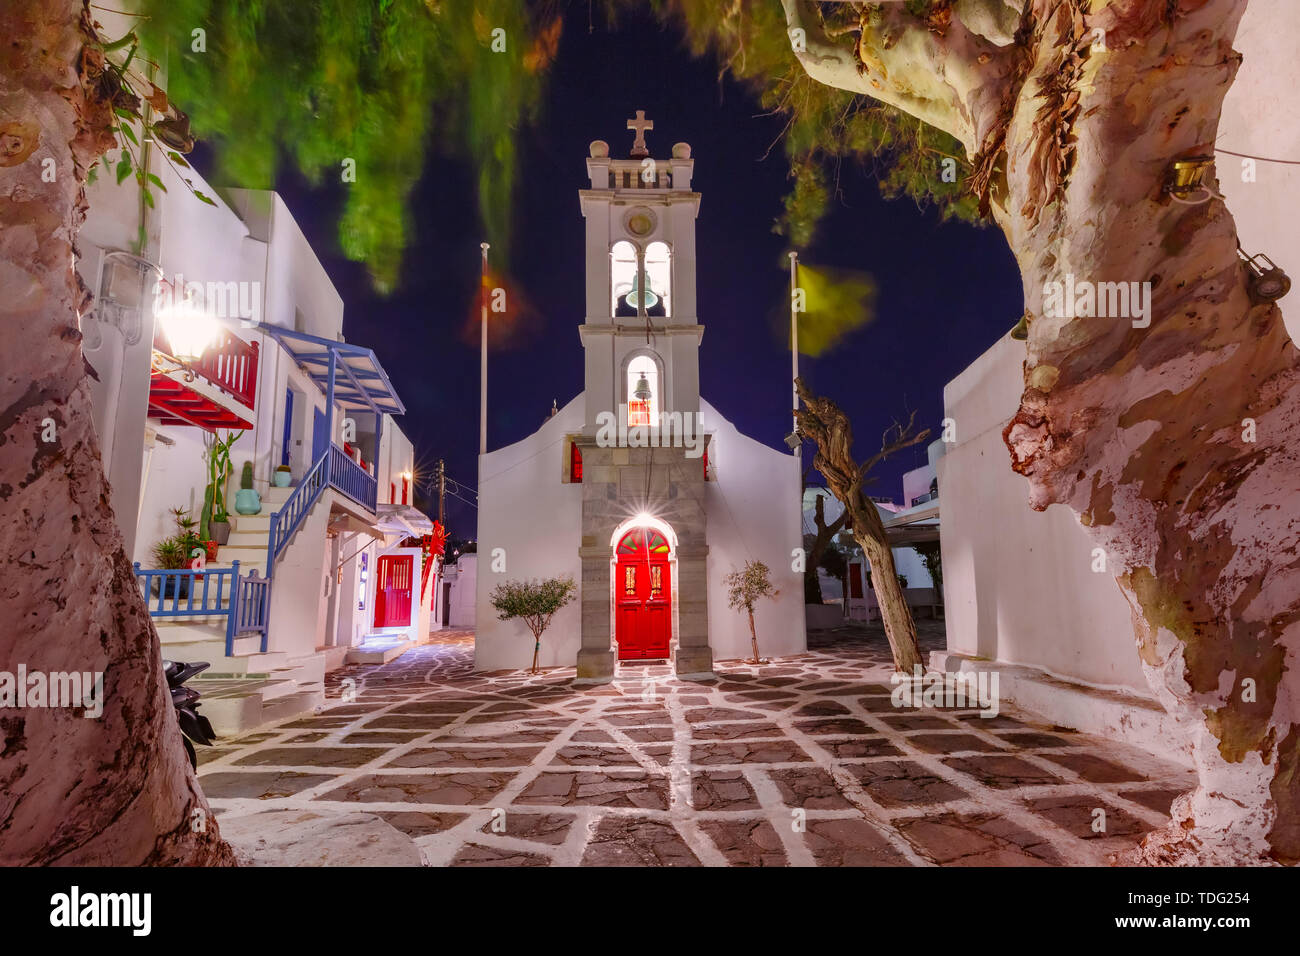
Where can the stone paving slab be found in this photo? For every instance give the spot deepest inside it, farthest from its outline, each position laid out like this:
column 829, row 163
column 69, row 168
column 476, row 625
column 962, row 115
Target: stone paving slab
column 804, row 761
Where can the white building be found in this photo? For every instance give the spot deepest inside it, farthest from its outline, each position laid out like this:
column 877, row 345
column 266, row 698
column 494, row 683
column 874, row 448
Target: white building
column 1007, row 569
column 638, row 488
column 318, row 570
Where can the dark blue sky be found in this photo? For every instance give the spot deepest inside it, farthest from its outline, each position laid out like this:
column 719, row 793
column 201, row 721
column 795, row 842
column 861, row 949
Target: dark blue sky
column 945, row 291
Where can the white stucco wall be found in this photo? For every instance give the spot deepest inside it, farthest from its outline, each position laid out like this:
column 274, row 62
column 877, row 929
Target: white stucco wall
column 463, row 576
column 1018, row 584
column 525, row 510
column 753, row 514
column 1261, row 117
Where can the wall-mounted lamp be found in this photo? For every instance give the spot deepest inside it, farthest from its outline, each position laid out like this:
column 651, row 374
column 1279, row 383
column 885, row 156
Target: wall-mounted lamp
column 1186, row 180
column 1267, row 282
column 187, row 325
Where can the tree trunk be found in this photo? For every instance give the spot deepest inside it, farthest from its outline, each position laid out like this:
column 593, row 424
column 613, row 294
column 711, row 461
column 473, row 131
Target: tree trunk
column 826, row 424
column 1175, row 442
column 118, row 789
column 537, row 647
column 895, row 615
column 753, row 638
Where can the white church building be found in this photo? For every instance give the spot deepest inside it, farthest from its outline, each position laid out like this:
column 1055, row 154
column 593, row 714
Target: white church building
column 638, row 488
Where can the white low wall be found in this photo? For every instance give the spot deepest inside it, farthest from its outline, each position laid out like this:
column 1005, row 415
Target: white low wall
column 1018, row 584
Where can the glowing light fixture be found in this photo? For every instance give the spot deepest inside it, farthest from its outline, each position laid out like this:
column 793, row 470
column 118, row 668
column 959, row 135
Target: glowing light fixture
column 189, row 329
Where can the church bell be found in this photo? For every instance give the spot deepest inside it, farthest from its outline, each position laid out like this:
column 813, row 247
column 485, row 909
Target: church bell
column 642, row 390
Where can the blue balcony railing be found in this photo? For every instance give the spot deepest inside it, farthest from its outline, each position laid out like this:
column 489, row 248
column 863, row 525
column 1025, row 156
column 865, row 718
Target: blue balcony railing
column 334, row 470
column 349, row 478
column 244, row 601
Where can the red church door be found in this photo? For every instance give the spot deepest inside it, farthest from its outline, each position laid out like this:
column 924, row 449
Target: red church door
column 642, row 596
column 393, row 585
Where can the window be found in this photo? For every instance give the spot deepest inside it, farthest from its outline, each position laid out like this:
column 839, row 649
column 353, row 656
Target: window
column 643, row 392
column 575, row 463
column 625, row 261
column 622, row 273
column 658, row 271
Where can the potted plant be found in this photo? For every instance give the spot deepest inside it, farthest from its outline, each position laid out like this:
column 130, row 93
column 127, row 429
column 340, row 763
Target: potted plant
column 282, row 475
column 247, row 500
column 177, row 552
column 534, row 601
column 215, row 523
column 744, row 590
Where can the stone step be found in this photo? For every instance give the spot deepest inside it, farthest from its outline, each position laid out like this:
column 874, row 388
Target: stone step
column 377, row 649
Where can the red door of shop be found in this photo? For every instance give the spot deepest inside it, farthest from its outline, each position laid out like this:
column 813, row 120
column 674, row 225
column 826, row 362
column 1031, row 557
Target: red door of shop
column 393, row 584
column 642, row 596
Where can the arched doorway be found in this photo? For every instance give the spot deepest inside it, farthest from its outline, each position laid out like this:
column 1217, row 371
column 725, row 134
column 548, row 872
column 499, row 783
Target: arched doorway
column 643, row 588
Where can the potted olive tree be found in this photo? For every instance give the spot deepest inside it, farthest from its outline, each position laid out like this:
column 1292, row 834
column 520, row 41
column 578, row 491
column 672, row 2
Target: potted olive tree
column 744, row 590
column 534, row 601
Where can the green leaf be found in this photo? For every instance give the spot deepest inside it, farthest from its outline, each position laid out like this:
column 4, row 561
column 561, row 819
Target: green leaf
column 123, row 168
column 92, row 174
column 125, row 114
column 147, row 197
column 156, row 181
column 177, row 158
column 129, row 133
column 203, row 198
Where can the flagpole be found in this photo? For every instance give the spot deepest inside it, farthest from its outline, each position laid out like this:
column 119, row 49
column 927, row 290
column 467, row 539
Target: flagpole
column 794, row 338
column 482, row 394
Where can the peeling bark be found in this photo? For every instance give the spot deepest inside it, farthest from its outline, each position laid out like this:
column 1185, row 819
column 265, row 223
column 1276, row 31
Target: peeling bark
column 117, row 790
column 1175, row 443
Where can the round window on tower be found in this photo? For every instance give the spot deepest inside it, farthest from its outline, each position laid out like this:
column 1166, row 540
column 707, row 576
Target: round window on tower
column 640, row 221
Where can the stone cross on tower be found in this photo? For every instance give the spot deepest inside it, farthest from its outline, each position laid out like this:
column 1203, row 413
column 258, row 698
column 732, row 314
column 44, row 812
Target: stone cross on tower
column 640, row 124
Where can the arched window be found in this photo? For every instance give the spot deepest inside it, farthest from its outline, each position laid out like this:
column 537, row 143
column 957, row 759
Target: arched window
column 658, row 271
column 643, row 403
column 643, row 541
column 622, row 273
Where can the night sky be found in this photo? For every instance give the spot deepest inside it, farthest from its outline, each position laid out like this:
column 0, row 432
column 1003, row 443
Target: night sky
column 946, row 292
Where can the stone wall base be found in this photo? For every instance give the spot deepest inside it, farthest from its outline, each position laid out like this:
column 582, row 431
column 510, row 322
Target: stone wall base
column 1114, row 714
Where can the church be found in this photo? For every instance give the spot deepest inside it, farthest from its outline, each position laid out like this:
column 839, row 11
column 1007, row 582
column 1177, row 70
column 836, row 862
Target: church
column 638, row 488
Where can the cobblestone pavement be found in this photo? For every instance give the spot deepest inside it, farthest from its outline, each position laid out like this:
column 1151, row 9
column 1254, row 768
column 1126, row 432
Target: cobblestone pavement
column 803, row 761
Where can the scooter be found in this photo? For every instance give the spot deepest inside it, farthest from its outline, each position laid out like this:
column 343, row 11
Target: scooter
column 194, row 726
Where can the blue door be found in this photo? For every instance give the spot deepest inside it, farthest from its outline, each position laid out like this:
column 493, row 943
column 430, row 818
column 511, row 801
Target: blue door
column 320, row 436
column 288, row 426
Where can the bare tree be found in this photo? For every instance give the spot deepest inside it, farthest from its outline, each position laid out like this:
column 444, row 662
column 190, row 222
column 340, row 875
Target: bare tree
column 821, row 420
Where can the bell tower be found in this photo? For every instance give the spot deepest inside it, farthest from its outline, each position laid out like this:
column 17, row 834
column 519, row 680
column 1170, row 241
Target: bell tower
column 641, row 336
column 641, row 326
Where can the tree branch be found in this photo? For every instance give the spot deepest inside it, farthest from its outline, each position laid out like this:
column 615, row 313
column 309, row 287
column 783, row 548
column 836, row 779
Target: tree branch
column 950, row 78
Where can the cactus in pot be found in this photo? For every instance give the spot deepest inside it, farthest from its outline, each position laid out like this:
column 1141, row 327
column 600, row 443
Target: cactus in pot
column 247, row 500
